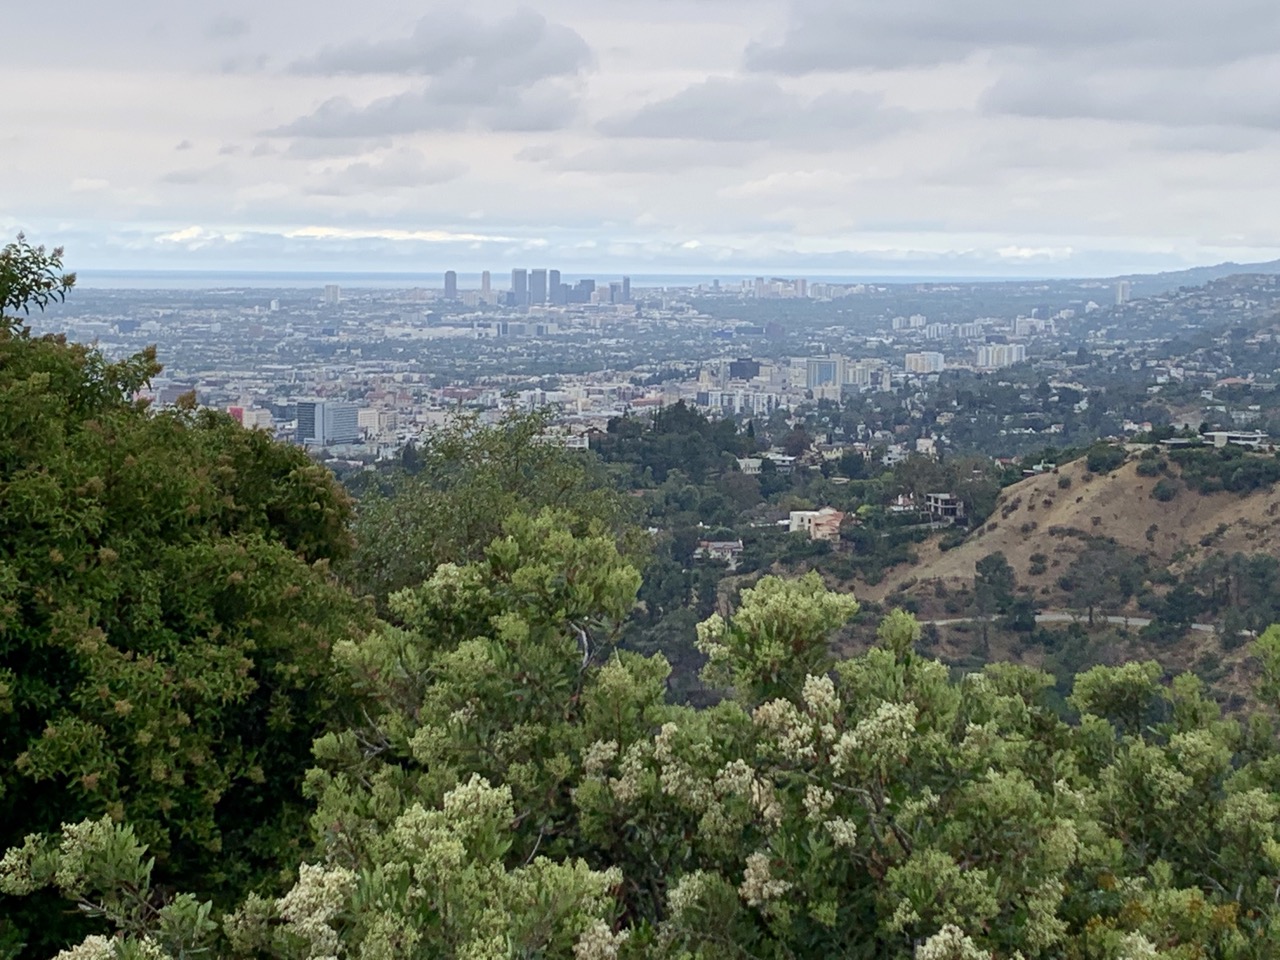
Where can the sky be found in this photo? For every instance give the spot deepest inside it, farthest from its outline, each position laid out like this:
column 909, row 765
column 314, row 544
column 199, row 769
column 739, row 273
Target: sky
column 735, row 137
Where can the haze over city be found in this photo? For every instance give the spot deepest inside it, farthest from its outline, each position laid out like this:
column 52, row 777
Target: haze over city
column 708, row 138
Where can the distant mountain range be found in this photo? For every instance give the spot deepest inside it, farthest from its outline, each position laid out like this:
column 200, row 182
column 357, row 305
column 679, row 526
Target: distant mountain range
column 1147, row 284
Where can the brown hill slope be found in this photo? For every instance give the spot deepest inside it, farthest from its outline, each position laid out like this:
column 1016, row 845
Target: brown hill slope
column 1040, row 517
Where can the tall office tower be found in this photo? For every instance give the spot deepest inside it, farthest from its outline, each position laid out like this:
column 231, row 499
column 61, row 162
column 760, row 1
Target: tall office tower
column 626, row 289
column 1124, row 290
column 326, row 422
column 760, row 287
column 583, row 291
column 485, row 284
column 450, row 285
column 519, row 287
column 615, row 291
column 553, row 284
column 802, row 288
column 332, row 293
column 824, row 372
column 538, row 287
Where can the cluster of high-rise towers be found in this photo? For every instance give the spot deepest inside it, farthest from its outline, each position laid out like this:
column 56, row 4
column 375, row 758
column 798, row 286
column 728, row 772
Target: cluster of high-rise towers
column 543, row 288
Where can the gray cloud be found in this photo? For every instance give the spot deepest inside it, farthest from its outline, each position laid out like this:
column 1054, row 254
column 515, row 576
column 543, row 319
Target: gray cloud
column 651, row 158
column 541, row 108
column 226, row 27
column 194, row 176
column 244, row 63
column 1241, row 95
column 466, row 51
column 514, row 74
column 754, row 109
column 887, row 34
column 400, row 169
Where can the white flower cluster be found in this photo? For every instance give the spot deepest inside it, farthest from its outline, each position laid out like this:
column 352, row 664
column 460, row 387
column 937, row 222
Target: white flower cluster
column 843, row 832
column 738, row 778
column 463, row 716
column 598, row 756
column 93, row 947
column 710, row 634
column 735, row 777
column 792, row 732
column 16, row 878
column 309, row 909
column 820, row 697
column 950, row 943
column 476, row 801
column 678, row 778
column 81, row 844
column 765, row 800
column 817, row 801
column 598, row 942
column 423, row 836
column 1137, row 947
column 883, row 737
column 688, row 892
column 627, row 786
column 759, row 886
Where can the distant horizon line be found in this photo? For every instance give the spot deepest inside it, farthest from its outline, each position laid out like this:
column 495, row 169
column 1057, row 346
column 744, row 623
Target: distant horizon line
column 221, row 277
column 86, row 275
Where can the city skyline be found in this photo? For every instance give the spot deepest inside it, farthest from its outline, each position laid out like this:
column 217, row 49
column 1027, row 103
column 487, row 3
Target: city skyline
column 803, row 136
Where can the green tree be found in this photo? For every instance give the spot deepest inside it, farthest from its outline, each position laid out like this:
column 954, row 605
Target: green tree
column 166, row 616
column 30, row 277
column 993, row 585
column 468, row 479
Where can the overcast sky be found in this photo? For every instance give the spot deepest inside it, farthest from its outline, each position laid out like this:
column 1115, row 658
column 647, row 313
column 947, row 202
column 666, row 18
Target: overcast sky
column 874, row 137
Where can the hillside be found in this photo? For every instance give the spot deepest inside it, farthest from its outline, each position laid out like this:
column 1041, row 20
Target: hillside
column 1149, row 284
column 1040, row 517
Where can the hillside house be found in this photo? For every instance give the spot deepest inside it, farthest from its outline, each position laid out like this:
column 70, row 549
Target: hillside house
column 944, row 507
column 821, row 524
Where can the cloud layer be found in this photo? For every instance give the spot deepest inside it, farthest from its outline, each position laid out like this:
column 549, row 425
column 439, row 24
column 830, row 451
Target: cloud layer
column 980, row 138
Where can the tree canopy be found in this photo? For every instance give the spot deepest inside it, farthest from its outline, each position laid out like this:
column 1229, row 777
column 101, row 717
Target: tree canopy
column 166, row 617
column 210, row 747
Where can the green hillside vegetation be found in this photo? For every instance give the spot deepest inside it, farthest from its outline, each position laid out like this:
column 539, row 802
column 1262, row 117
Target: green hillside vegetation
column 210, row 747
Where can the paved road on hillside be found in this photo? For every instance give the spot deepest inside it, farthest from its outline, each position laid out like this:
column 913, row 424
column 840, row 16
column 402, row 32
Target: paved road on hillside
column 1058, row 616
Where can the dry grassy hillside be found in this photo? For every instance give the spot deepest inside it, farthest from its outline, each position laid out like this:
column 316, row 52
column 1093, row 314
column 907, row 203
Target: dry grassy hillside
column 1033, row 517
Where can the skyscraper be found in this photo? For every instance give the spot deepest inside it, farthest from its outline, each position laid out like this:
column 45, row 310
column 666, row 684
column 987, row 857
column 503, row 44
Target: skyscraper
column 553, row 288
column 325, row 422
column 485, row 284
column 332, row 293
column 626, row 289
column 824, row 372
column 450, row 285
column 538, row 287
column 519, row 287
column 615, row 291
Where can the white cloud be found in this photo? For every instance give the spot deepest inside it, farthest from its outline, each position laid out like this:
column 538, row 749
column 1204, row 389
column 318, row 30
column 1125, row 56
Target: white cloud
column 982, row 137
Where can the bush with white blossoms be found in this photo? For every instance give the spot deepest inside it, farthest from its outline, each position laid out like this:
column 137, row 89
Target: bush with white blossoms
column 516, row 788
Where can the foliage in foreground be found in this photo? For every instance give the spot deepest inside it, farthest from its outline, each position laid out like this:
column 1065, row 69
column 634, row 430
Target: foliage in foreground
column 503, row 782
column 166, row 618
column 519, row 792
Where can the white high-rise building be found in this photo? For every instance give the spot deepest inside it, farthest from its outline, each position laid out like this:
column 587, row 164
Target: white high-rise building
column 992, row 356
column 326, row 422
column 926, row 362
